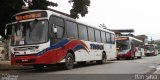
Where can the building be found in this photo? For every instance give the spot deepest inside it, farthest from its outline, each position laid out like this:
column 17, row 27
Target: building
column 143, row 38
column 123, row 32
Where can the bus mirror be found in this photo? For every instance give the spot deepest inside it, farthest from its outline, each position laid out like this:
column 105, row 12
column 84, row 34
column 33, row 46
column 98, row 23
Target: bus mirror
column 5, row 31
column 54, row 28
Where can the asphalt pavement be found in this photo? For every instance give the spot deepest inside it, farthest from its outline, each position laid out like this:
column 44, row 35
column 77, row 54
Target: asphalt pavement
column 138, row 69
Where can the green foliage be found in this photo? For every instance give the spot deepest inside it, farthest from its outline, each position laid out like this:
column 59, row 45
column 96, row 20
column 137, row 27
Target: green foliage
column 10, row 7
column 79, row 7
column 40, row 4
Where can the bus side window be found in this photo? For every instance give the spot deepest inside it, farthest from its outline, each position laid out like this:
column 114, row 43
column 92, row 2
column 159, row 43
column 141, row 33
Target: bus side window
column 91, row 34
column 72, row 31
column 103, row 36
column 82, row 30
column 108, row 38
column 97, row 35
column 57, row 27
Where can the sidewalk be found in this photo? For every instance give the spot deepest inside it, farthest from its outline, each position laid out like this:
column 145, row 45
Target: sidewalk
column 6, row 65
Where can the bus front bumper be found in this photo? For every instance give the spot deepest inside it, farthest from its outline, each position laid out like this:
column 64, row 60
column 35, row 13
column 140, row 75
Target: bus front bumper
column 124, row 55
column 47, row 58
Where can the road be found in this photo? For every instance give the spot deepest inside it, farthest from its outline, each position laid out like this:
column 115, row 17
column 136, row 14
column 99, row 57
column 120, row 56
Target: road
column 114, row 70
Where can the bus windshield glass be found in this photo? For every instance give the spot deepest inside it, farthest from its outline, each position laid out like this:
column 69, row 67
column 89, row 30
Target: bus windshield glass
column 150, row 48
column 32, row 32
column 122, row 45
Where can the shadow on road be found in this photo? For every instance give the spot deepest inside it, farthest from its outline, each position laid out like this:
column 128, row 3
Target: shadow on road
column 59, row 68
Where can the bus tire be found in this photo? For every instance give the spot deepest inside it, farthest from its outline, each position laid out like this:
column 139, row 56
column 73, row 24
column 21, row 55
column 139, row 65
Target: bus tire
column 118, row 58
column 69, row 61
column 104, row 59
column 38, row 67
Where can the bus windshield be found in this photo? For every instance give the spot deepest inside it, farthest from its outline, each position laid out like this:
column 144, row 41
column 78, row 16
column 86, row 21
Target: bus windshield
column 32, row 32
column 150, row 48
column 123, row 45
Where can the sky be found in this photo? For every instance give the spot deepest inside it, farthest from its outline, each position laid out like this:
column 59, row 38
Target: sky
column 141, row 15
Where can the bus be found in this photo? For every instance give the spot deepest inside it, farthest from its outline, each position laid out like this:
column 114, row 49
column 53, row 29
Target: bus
column 128, row 47
column 150, row 50
column 41, row 38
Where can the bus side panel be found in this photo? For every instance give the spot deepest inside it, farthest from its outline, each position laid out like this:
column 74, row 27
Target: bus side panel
column 91, row 54
column 113, row 51
column 110, row 50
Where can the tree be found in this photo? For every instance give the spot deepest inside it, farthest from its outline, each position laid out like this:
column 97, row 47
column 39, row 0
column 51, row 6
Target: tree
column 10, row 7
column 79, row 7
column 40, row 4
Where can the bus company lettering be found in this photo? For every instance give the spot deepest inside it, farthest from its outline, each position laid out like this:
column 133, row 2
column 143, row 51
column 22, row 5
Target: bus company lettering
column 97, row 46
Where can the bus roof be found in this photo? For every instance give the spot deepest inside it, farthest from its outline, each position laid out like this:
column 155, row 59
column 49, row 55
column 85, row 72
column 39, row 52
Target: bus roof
column 129, row 37
column 63, row 15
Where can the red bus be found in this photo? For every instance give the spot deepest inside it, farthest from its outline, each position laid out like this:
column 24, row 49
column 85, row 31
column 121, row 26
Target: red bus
column 150, row 50
column 128, row 47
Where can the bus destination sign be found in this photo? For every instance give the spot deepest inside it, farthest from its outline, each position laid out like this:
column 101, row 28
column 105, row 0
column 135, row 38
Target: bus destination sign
column 122, row 38
column 30, row 15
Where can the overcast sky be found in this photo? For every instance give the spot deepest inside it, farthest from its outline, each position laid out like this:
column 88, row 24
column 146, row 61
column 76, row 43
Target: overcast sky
column 141, row 15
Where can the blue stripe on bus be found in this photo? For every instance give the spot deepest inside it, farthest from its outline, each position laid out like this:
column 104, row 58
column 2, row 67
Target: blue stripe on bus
column 59, row 44
column 78, row 47
column 55, row 46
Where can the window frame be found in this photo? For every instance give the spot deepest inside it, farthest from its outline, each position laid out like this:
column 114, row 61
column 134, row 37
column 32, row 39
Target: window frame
column 108, row 35
column 99, row 38
column 103, row 36
column 51, row 22
column 87, row 38
column 67, row 29
column 90, row 33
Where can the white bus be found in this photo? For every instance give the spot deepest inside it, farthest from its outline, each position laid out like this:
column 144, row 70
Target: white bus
column 150, row 50
column 128, row 47
column 43, row 37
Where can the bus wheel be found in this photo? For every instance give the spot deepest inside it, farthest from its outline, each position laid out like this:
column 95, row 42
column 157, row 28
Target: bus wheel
column 118, row 58
column 82, row 63
column 69, row 61
column 104, row 59
column 38, row 67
